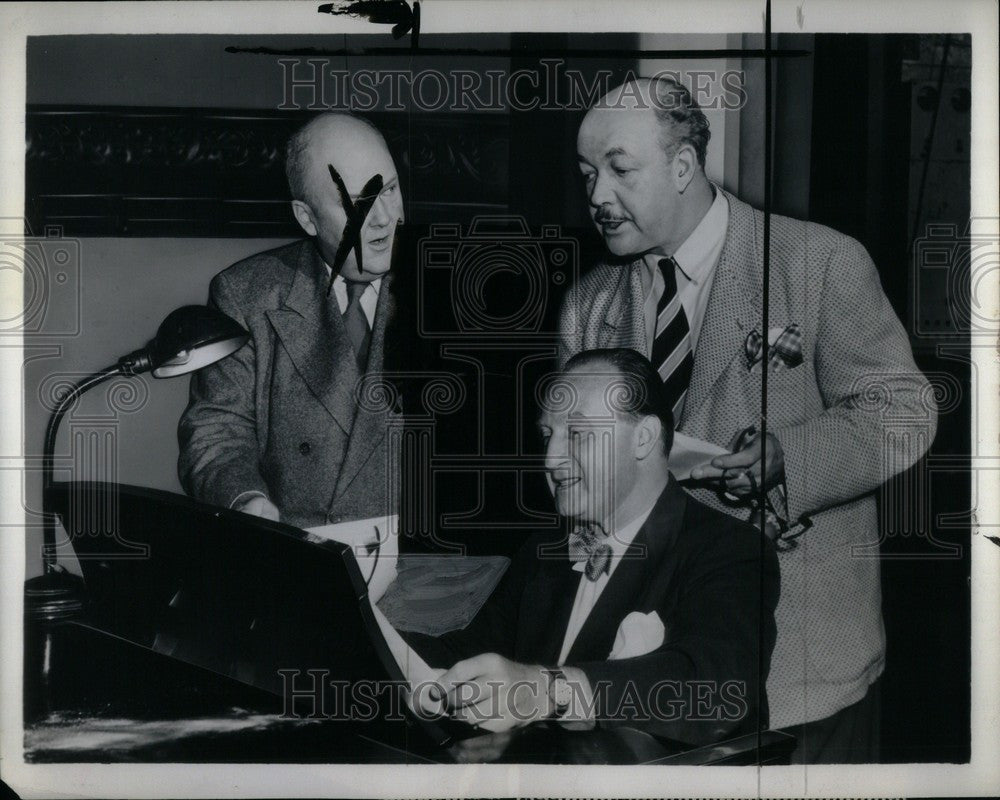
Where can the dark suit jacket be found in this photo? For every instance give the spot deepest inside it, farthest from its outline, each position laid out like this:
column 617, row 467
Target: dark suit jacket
column 712, row 580
column 281, row 415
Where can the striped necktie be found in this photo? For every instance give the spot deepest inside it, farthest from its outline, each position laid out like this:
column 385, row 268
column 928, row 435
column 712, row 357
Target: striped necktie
column 672, row 355
column 357, row 323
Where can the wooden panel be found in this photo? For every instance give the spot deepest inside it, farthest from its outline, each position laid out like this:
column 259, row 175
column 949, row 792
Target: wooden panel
column 197, row 172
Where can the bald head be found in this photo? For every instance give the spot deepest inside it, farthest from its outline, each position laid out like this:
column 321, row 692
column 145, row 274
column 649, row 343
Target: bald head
column 351, row 148
column 321, row 136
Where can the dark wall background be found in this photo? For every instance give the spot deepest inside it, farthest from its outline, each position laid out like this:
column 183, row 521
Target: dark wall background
column 890, row 166
column 166, row 179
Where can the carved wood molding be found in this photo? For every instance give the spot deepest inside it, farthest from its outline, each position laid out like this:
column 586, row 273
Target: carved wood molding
column 203, row 172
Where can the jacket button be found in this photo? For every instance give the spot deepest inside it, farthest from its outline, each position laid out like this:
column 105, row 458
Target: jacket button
column 304, row 448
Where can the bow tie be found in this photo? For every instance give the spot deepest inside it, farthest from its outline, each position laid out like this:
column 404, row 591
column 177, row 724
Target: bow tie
column 587, row 544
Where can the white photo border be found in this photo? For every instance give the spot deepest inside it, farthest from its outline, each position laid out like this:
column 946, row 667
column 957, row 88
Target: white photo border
column 980, row 776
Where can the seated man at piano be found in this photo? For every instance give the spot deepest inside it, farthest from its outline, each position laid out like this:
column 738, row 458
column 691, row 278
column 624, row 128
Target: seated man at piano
column 655, row 613
column 275, row 429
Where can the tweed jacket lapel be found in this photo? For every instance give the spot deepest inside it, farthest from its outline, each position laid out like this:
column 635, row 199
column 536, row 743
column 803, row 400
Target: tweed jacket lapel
column 733, row 305
column 627, row 585
column 371, row 417
column 312, row 330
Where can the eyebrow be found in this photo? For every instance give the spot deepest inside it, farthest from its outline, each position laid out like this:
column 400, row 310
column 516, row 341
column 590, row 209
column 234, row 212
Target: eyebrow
column 610, row 153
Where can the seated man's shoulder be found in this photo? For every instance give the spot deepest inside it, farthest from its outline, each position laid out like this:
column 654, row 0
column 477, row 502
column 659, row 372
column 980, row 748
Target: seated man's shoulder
column 263, row 279
column 706, row 527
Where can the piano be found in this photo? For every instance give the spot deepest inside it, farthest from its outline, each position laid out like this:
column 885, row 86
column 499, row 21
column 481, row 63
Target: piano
column 208, row 635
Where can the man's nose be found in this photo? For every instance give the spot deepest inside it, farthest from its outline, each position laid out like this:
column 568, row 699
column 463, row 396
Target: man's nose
column 556, row 455
column 380, row 214
column 600, row 192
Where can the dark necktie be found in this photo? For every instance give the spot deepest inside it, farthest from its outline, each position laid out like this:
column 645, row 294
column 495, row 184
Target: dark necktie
column 672, row 355
column 587, row 544
column 357, row 323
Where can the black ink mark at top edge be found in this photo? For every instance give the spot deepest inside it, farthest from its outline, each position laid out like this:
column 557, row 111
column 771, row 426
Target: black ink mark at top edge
column 521, row 52
column 356, row 213
column 995, row 540
column 382, row 12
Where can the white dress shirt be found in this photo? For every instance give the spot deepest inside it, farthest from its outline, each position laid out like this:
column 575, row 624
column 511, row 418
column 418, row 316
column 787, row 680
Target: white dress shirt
column 588, row 592
column 696, row 261
column 369, row 298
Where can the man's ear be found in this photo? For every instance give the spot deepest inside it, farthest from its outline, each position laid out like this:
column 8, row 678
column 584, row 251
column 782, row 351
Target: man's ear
column 304, row 216
column 647, row 436
column 684, row 167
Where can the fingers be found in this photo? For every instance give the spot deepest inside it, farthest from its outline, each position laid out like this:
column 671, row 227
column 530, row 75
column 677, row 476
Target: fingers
column 486, row 715
column 740, row 459
column 743, row 483
column 731, row 468
column 426, row 699
column 737, row 480
column 467, row 669
column 260, row 507
column 492, row 693
column 464, row 673
column 707, row 471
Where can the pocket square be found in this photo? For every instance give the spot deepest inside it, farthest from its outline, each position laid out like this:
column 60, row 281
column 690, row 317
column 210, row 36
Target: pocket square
column 784, row 348
column 637, row 635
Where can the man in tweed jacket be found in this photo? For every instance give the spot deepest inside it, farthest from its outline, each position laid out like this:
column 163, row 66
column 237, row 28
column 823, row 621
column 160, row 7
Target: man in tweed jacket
column 276, row 429
column 840, row 377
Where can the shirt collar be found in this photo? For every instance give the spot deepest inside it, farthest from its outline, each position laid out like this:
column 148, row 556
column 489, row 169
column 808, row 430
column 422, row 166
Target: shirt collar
column 375, row 284
column 620, row 540
column 696, row 256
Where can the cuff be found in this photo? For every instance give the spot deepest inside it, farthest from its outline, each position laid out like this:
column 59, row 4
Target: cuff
column 245, row 496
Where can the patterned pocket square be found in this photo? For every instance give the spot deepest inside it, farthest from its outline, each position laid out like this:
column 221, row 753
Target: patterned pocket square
column 637, row 635
column 784, row 348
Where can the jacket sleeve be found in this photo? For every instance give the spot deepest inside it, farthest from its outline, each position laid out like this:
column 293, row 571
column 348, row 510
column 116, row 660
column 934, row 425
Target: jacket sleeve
column 702, row 684
column 880, row 415
column 218, row 431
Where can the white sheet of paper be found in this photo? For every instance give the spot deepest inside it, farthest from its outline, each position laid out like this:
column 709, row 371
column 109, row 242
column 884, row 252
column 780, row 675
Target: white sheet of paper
column 362, row 534
column 414, row 668
column 688, row 453
column 418, row 673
